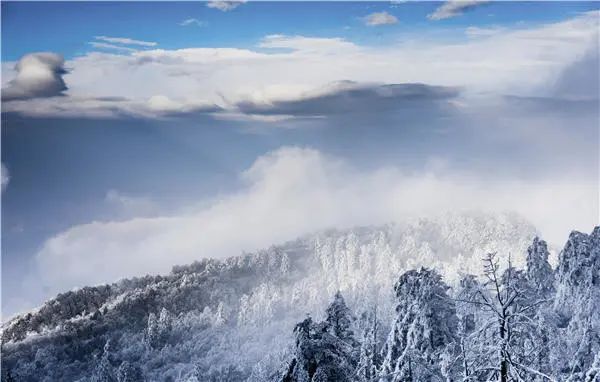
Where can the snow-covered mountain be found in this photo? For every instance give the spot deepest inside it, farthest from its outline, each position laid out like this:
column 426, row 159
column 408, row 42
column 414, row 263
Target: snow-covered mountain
column 234, row 319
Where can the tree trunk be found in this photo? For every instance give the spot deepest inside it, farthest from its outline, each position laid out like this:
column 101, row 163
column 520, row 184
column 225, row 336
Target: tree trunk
column 503, row 355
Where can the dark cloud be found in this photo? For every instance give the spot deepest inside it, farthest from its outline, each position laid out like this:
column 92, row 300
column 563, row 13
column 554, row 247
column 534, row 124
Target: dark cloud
column 350, row 97
column 38, row 75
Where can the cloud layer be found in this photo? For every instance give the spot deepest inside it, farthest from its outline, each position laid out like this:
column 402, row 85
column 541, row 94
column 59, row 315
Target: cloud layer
column 524, row 62
column 291, row 192
column 37, row 75
column 350, row 97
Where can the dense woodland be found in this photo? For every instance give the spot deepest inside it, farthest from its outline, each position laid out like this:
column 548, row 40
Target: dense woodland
column 468, row 298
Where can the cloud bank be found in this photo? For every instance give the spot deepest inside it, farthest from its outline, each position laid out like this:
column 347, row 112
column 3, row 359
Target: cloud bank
column 291, row 192
column 37, row 75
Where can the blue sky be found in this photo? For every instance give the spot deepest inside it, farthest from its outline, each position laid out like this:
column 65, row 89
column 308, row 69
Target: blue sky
column 68, row 27
column 134, row 143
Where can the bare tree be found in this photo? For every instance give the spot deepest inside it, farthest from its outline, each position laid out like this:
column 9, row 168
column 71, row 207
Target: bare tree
column 505, row 341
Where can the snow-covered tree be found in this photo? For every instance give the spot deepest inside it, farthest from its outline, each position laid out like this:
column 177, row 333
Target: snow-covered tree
column 539, row 271
column 158, row 329
column 425, row 325
column 506, row 338
column 369, row 360
column 324, row 351
column 340, row 320
column 104, row 371
column 468, row 320
column 576, row 304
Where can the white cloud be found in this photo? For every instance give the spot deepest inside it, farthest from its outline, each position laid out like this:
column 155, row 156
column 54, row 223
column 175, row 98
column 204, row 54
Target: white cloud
column 125, row 41
column 380, row 18
column 224, row 5
column 37, row 75
column 105, row 45
column 453, row 8
column 188, row 22
column 294, row 191
column 520, row 62
column 4, row 175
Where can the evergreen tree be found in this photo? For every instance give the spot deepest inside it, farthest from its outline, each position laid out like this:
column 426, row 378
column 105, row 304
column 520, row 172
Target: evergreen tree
column 340, row 320
column 324, row 351
column 425, row 325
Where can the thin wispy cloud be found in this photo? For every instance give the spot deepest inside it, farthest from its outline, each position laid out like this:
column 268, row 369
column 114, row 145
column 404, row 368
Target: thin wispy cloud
column 125, row 41
column 105, row 45
column 191, row 22
column 224, row 5
column 453, row 8
column 380, row 18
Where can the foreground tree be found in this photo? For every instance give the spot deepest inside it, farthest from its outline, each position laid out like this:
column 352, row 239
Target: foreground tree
column 425, row 326
column 506, row 338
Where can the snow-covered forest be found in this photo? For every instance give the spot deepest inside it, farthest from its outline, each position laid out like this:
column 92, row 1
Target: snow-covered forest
column 458, row 298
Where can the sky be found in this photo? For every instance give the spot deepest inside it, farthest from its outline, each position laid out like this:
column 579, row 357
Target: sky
column 141, row 135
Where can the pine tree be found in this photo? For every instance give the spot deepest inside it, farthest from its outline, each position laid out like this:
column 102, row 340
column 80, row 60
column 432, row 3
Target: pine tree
column 340, row 320
column 324, row 351
column 425, row 325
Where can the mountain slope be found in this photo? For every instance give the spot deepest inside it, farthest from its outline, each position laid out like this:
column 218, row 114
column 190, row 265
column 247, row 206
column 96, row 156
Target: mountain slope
column 235, row 317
